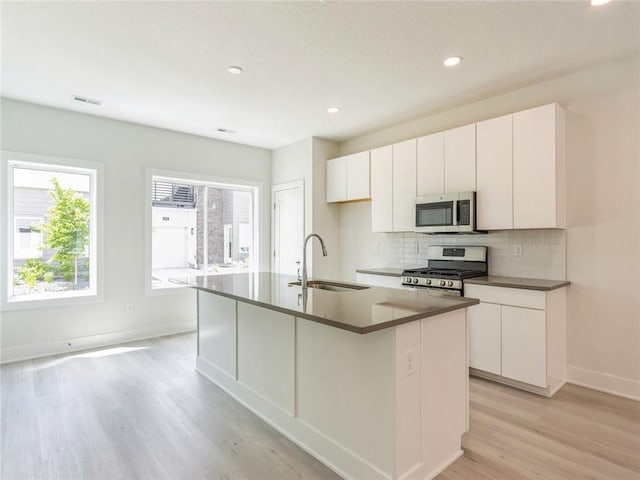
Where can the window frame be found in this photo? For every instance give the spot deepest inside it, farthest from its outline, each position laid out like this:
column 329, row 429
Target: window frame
column 196, row 179
column 95, row 170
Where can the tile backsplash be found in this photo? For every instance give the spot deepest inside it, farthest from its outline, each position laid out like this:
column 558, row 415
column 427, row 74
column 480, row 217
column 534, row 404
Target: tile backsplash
column 543, row 251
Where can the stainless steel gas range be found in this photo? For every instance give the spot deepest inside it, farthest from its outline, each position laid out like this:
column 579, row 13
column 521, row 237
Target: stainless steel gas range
column 447, row 267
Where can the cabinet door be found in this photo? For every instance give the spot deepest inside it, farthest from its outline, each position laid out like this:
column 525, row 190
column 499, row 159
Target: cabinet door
column 404, row 186
column 524, row 347
column 485, row 337
column 430, row 165
column 358, row 176
column 537, row 187
column 382, row 189
column 337, row 179
column 460, row 159
column 494, row 173
column 217, row 331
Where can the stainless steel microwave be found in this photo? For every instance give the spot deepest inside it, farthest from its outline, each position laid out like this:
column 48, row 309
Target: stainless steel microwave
column 446, row 213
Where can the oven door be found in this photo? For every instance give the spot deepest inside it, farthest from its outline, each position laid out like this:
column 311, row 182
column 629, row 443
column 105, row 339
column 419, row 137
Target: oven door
column 444, row 292
column 450, row 292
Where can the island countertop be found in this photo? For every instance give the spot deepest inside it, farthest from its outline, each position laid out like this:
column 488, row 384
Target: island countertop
column 359, row 311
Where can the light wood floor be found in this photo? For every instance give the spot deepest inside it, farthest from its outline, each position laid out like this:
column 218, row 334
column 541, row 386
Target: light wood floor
column 143, row 413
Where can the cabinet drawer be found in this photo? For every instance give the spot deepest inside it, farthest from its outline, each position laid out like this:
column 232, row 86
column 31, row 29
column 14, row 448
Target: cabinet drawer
column 507, row 296
column 379, row 280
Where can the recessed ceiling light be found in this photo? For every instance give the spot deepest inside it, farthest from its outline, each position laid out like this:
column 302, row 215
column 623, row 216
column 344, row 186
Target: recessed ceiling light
column 452, row 61
column 597, row 3
column 333, row 109
column 234, row 70
column 91, row 101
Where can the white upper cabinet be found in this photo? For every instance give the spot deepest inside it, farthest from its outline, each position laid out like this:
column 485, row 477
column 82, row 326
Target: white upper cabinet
column 404, row 186
column 539, row 167
column 446, row 162
column 337, row 180
column 430, row 165
column 494, row 173
column 460, row 159
column 348, row 178
column 393, row 187
column 382, row 189
column 358, row 176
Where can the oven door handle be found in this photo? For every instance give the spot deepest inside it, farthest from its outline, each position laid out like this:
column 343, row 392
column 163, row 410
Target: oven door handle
column 455, row 212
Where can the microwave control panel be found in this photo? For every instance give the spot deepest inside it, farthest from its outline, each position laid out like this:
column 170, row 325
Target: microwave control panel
column 464, row 212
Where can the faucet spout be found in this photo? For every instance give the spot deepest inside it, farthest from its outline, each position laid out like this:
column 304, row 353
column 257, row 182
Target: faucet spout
column 305, row 280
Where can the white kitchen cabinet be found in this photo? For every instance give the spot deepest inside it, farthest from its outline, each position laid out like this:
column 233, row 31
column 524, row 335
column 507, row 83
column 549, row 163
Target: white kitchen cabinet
column 460, row 159
column 404, row 186
column 524, row 349
column 430, row 165
column 348, row 178
column 386, row 281
column 446, row 162
column 518, row 336
column 494, row 162
column 393, row 187
column 358, row 176
column 337, row 180
column 539, row 168
column 382, row 189
column 485, row 337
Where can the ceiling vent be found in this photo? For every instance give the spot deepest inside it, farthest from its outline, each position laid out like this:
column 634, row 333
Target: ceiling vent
column 92, row 101
column 226, row 130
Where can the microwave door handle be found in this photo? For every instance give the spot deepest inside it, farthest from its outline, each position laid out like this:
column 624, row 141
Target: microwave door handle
column 455, row 212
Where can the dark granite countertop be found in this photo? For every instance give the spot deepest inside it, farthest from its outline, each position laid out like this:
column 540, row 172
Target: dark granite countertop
column 389, row 271
column 516, row 282
column 359, row 311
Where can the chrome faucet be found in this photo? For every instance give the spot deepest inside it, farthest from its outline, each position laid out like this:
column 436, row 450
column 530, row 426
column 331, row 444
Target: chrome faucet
column 304, row 280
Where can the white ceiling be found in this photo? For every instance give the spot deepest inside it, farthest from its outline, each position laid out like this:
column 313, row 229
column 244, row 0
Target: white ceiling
column 165, row 63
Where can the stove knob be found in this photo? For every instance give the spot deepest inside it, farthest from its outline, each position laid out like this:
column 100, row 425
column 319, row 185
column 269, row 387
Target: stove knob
column 442, row 283
column 428, row 282
column 415, row 280
column 450, row 283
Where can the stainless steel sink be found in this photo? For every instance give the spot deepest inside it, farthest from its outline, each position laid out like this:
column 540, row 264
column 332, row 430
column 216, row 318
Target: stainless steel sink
column 331, row 286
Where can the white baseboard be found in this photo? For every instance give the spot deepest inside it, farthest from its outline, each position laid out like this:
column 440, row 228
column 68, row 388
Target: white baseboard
column 37, row 350
column 604, row 382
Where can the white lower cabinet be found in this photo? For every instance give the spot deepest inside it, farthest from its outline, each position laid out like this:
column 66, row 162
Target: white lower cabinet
column 485, row 337
column 524, row 350
column 518, row 336
column 376, row 280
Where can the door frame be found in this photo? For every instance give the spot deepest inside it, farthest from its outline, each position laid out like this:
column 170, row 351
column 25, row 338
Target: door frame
column 274, row 189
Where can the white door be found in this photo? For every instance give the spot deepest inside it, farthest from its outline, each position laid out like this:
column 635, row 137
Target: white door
column 288, row 227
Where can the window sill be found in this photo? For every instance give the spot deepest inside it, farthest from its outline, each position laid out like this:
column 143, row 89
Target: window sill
column 73, row 298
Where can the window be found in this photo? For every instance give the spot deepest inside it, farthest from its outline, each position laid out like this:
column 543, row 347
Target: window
column 200, row 228
column 52, row 220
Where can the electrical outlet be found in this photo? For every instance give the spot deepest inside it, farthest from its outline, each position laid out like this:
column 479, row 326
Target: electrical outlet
column 129, row 307
column 517, row 250
column 409, row 362
column 376, row 246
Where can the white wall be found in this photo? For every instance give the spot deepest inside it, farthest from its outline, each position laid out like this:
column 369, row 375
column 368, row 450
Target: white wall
column 603, row 203
column 306, row 160
column 126, row 150
column 293, row 162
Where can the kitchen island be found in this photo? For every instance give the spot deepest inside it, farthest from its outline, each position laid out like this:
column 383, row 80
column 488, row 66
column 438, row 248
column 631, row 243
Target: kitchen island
column 373, row 381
